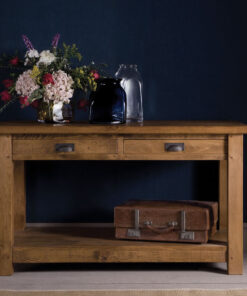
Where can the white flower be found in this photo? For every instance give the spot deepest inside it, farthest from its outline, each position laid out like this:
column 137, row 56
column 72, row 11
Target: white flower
column 61, row 90
column 46, row 57
column 25, row 84
column 32, row 53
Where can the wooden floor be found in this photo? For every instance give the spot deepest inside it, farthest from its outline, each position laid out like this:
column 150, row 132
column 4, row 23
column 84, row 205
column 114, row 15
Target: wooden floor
column 98, row 245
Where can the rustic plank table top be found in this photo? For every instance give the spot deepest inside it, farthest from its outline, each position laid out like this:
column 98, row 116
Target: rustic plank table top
column 147, row 127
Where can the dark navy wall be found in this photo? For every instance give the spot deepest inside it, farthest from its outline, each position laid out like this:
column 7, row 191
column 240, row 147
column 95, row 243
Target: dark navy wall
column 192, row 56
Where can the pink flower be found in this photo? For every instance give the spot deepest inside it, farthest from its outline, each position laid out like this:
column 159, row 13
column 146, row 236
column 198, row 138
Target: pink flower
column 25, row 84
column 83, row 104
column 24, row 101
column 47, row 79
column 14, row 61
column 5, row 96
column 61, row 90
column 8, row 83
column 95, row 74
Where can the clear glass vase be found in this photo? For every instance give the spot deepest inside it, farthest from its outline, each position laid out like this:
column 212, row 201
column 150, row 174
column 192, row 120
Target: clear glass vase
column 48, row 112
column 131, row 82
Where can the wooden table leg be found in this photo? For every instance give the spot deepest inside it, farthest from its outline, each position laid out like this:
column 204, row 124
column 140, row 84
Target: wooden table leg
column 19, row 195
column 223, row 194
column 235, row 204
column 6, row 206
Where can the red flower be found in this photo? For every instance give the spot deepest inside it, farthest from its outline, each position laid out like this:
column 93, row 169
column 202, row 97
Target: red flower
column 8, row 83
column 24, row 101
column 5, row 96
column 14, row 61
column 47, row 79
column 35, row 104
column 83, row 104
column 95, row 74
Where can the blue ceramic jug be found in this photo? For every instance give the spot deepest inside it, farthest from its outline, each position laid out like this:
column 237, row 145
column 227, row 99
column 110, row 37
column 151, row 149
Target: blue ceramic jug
column 108, row 102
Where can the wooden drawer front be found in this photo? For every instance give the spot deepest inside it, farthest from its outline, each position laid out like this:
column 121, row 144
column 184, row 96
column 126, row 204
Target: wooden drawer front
column 177, row 148
column 29, row 149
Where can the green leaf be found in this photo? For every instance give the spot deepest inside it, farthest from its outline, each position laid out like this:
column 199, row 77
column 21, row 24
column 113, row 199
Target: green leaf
column 36, row 95
column 7, row 105
column 79, row 56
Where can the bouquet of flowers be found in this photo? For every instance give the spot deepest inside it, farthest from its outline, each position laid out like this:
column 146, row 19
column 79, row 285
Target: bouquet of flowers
column 47, row 78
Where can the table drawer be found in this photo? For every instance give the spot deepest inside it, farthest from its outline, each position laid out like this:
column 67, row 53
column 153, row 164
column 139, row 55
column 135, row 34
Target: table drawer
column 54, row 148
column 177, row 148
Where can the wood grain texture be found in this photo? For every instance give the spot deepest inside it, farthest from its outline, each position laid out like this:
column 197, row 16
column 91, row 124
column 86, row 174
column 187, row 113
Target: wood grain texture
column 67, row 156
column 6, row 206
column 119, row 156
column 116, row 136
column 148, row 127
column 223, row 194
column 131, row 292
column 235, row 204
column 72, row 244
column 204, row 148
column 99, row 148
column 84, row 146
column 118, row 148
column 173, row 156
column 19, row 195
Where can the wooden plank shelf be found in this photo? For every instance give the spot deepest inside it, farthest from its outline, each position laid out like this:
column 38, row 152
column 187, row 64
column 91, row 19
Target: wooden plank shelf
column 97, row 244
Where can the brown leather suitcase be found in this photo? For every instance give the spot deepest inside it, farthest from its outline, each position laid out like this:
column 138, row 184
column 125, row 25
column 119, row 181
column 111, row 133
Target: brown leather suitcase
column 176, row 221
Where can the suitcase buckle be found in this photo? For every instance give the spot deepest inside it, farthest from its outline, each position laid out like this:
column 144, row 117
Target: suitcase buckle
column 185, row 235
column 135, row 232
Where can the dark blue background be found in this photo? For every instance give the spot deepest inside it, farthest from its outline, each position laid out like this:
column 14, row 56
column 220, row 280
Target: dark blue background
column 192, row 56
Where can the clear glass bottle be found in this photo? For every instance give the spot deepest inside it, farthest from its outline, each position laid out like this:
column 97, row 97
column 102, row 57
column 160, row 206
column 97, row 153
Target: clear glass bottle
column 132, row 84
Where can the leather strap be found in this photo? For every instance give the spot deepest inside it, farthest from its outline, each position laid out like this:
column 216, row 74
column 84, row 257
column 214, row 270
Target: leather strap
column 201, row 205
column 160, row 230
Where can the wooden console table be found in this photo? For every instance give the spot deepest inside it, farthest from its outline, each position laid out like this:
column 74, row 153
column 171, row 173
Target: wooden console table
column 221, row 141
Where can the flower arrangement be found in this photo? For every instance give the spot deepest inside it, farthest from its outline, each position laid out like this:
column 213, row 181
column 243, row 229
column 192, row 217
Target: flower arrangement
column 47, row 76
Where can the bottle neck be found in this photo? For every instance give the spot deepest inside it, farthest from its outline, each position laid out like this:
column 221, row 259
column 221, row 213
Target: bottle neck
column 128, row 68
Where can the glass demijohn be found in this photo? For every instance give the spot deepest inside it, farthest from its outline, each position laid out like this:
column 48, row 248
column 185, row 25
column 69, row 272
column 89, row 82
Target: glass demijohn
column 132, row 84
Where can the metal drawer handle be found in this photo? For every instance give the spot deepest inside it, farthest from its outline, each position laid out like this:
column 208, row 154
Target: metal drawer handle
column 65, row 147
column 174, row 147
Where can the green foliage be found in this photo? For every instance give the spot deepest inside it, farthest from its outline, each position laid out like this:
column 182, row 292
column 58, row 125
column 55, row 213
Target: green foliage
column 65, row 56
column 83, row 79
column 36, row 95
column 12, row 89
column 5, row 106
column 71, row 51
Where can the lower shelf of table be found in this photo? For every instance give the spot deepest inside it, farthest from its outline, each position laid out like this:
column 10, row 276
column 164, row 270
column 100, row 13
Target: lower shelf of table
column 97, row 244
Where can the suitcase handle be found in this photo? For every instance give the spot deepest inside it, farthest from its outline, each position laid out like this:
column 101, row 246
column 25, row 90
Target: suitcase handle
column 161, row 230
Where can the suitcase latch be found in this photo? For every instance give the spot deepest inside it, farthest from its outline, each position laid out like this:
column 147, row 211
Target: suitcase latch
column 135, row 232
column 185, row 235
